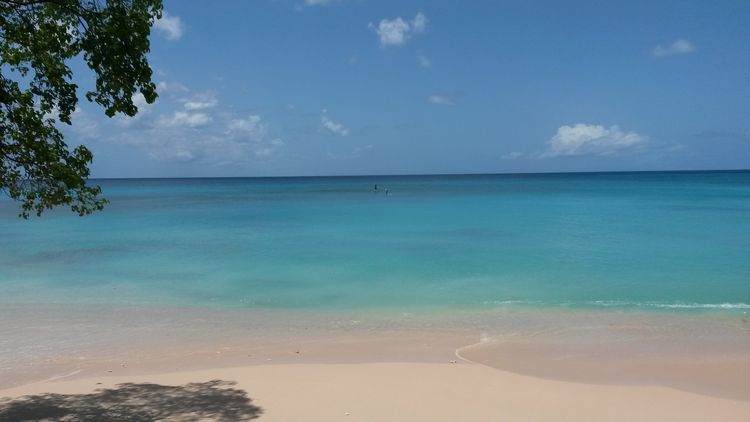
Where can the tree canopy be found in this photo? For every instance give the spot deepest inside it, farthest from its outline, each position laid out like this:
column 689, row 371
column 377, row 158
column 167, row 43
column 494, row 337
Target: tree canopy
column 38, row 39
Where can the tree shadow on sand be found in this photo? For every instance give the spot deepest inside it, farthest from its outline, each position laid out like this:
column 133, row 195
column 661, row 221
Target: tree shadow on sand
column 213, row 400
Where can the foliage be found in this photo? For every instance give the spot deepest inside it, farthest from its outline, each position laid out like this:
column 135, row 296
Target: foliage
column 38, row 39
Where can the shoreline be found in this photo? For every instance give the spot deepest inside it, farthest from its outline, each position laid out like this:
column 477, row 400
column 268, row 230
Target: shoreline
column 705, row 354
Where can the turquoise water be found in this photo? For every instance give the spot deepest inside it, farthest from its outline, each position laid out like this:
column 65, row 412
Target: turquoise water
column 673, row 241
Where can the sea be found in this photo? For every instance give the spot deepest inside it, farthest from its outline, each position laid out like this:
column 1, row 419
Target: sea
column 676, row 242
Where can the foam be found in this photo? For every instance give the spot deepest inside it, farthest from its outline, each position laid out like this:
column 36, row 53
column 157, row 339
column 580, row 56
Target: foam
column 625, row 304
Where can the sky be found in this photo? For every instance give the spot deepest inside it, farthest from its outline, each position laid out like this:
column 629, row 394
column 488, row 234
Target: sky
column 346, row 87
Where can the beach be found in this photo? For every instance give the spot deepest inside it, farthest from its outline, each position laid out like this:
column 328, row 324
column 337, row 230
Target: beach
column 579, row 367
column 411, row 391
column 518, row 297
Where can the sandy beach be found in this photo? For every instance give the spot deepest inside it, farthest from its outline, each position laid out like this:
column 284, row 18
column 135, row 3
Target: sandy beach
column 195, row 364
column 363, row 392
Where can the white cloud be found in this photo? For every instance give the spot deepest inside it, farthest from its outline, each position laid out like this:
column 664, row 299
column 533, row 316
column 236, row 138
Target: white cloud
column 583, row 139
column 185, row 119
column 392, row 32
column 231, row 142
column 251, row 127
column 140, row 101
column 191, row 129
column 299, row 7
column 144, row 108
column 424, row 61
column 250, row 134
column 419, row 23
column 680, row 46
column 397, row 31
column 191, row 117
column 163, row 87
column 440, row 100
column 195, row 114
column 333, row 127
column 200, row 102
column 170, row 26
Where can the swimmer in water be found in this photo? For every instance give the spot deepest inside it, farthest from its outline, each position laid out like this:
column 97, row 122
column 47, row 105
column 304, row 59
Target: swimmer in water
column 375, row 189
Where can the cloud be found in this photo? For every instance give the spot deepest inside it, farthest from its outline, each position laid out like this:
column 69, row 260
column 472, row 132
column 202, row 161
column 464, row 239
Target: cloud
column 423, row 61
column 680, row 46
column 299, row 7
column 419, row 23
column 251, row 126
column 194, row 115
column 583, row 139
column 200, row 102
column 397, row 31
column 194, row 131
column 144, row 108
column 236, row 141
column 440, row 100
column 392, row 32
column 163, row 87
column 183, row 118
column 170, row 26
column 252, row 134
column 140, row 101
column 333, row 127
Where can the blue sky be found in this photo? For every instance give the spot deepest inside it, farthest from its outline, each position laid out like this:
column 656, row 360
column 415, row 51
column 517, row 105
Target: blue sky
column 316, row 87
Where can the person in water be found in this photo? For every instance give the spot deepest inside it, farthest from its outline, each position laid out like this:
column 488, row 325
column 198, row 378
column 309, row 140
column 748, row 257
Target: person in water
column 375, row 189
column 387, row 192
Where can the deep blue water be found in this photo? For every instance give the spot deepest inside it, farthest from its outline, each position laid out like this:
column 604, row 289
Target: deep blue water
column 672, row 240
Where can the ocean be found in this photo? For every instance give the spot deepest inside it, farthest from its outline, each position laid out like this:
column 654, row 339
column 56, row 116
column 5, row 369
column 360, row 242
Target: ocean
column 652, row 241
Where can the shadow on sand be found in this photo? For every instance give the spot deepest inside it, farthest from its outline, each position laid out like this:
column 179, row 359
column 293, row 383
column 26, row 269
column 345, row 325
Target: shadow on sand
column 212, row 400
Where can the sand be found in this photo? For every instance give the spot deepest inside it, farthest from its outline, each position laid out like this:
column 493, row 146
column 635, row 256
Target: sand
column 188, row 364
column 395, row 392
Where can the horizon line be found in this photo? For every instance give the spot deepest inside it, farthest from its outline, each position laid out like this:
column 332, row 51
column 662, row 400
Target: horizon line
column 429, row 174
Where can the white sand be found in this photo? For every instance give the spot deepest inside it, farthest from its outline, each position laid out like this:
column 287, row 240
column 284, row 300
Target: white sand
column 427, row 392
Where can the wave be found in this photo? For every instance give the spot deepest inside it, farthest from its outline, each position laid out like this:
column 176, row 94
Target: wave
column 625, row 304
column 673, row 305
